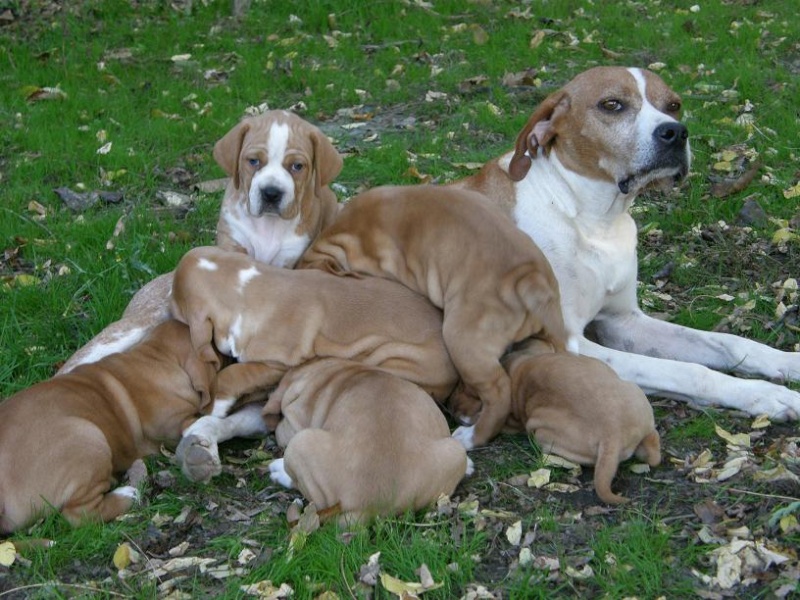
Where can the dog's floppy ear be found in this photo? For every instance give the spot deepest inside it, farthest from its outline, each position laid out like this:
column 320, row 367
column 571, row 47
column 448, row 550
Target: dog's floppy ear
column 201, row 331
column 538, row 132
column 327, row 161
column 228, row 149
column 203, row 376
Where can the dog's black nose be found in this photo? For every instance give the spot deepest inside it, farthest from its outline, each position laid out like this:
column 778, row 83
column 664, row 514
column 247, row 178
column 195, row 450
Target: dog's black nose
column 672, row 134
column 271, row 197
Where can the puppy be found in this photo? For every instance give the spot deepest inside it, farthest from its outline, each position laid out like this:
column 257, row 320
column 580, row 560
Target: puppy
column 272, row 319
column 360, row 442
column 276, row 202
column 64, row 441
column 493, row 284
column 577, row 407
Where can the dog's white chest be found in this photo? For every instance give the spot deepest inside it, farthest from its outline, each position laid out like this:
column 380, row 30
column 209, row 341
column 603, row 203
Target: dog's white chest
column 268, row 239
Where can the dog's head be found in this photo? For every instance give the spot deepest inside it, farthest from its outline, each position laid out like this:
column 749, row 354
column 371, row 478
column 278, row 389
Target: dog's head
column 278, row 160
column 613, row 124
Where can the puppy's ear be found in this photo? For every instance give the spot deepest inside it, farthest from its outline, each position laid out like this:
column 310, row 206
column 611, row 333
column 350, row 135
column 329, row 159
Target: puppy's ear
column 203, row 376
column 201, row 330
column 228, row 149
column 538, row 132
column 327, row 160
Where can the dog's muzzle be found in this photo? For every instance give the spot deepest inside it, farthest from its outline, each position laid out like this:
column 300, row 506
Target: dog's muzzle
column 271, row 197
column 669, row 159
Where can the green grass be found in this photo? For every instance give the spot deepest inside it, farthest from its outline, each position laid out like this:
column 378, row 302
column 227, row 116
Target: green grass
column 115, row 64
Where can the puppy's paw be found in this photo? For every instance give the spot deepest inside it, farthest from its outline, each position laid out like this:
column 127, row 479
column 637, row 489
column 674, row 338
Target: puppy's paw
column 278, row 474
column 199, row 458
column 465, row 435
column 470, row 467
column 128, row 491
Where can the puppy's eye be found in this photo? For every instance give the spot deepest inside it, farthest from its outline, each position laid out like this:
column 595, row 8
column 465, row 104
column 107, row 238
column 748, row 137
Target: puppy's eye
column 674, row 107
column 253, row 162
column 296, row 167
column 611, row 105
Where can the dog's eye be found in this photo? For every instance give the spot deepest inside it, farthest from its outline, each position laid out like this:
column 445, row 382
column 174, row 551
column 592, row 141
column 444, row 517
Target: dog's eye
column 674, row 107
column 253, row 162
column 611, row 105
column 296, row 167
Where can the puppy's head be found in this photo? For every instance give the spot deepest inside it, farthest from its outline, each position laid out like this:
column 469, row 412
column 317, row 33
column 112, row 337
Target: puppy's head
column 278, row 161
column 614, row 124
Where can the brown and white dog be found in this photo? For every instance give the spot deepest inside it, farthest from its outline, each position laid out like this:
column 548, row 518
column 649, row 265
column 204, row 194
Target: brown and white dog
column 272, row 319
column 577, row 407
column 276, row 202
column 360, row 442
column 579, row 163
column 64, row 441
column 493, row 284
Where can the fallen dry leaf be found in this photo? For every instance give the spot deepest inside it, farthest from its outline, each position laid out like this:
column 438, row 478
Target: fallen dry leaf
column 265, row 590
column 8, row 554
column 514, row 533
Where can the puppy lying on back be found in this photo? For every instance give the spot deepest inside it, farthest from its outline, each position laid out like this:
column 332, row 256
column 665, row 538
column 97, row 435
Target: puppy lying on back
column 63, row 441
column 493, row 284
column 361, row 443
column 271, row 319
column 577, row 407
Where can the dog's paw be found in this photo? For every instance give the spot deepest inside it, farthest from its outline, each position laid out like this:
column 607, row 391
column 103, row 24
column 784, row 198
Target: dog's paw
column 278, row 474
column 199, row 458
column 470, row 468
column 466, row 436
column 128, row 491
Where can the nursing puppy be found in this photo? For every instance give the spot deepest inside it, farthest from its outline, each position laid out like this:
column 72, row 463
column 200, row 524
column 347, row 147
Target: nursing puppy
column 63, row 442
column 360, row 442
column 492, row 283
column 277, row 200
column 577, row 407
column 579, row 163
column 273, row 319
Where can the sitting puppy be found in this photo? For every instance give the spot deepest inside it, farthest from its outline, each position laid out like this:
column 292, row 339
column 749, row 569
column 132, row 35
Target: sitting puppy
column 577, row 407
column 494, row 286
column 361, row 443
column 272, row 319
column 63, row 441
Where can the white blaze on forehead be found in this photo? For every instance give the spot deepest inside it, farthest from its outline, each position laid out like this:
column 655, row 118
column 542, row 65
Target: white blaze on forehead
column 273, row 174
column 207, row 265
column 245, row 275
column 278, row 142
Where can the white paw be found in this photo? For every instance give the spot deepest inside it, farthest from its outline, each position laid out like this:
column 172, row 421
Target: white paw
column 278, row 474
column 465, row 435
column 470, row 467
column 128, row 491
column 198, row 457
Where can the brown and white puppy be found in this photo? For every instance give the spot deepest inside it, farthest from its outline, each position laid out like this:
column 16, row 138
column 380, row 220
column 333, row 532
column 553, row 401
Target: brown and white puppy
column 493, row 284
column 362, row 443
column 276, row 202
column 580, row 161
column 64, row 441
column 577, row 407
column 273, row 319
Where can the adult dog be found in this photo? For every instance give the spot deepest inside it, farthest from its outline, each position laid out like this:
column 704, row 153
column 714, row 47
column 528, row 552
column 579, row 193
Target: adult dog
column 276, row 202
column 585, row 153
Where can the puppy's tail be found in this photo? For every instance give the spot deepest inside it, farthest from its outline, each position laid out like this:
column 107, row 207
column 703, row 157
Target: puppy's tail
column 604, row 471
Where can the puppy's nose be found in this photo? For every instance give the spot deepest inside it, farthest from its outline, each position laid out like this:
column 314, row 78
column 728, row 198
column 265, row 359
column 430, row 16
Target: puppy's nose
column 271, row 198
column 672, row 134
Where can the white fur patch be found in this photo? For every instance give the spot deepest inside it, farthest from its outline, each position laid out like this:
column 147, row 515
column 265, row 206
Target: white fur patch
column 278, row 474
column 273, row 174
column 207, row 265
column 470, row 468
column 465, row 435
column 245, row 276
column 270, row 240
column 222, row 406
column 128, row 491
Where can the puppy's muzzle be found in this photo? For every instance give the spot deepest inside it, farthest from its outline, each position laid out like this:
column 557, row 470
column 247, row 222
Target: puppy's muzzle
column 271, row 198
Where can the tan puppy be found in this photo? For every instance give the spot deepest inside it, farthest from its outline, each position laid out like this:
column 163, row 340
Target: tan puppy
column 272, row 319
column 577, row 407
column 493, row 284
column 362, row 443
column 276, row 202
column 63, row 441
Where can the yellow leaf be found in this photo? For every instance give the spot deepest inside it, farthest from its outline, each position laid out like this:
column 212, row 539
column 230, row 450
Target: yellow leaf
column 783, row 235
column 760, row 422
column 788, row 524
column 122, row 556
column 514, row 533
column 8, row 554
column 728, row 155
column 723, row 165
column 792, row 192
column 539, row 478
column 405, row 589
column 738, row 439
column 23, row 279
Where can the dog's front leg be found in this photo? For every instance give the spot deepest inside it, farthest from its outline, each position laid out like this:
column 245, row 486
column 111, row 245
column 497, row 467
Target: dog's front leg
column 698, row 384
column 239, row 379
column 641, row 334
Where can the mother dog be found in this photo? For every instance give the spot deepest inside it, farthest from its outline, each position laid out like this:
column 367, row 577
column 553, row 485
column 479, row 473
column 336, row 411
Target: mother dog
column 578, row 165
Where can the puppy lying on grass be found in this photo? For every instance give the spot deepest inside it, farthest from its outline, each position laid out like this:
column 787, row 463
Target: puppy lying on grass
column 360, row 442
column 64, row 441
column 577, row 407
